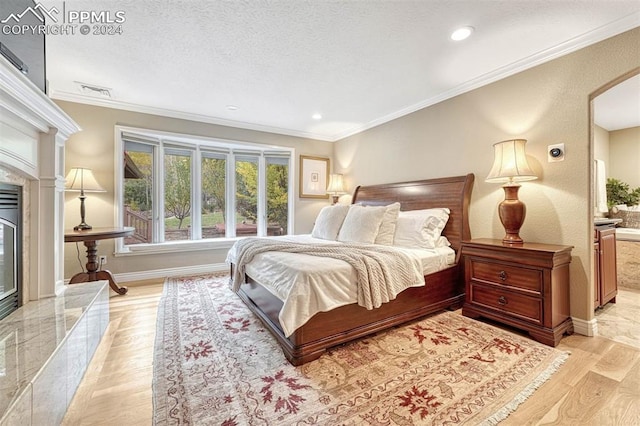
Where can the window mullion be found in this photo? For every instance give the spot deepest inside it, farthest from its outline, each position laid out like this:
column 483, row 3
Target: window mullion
column 196, row 198
column 231, row 196
column 119, row 189
column 291, row 196
column 262, row 198
column 158, row 214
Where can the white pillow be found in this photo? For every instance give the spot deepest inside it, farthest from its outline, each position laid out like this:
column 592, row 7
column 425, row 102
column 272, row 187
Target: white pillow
column 420, row 228
column 329, row 221
column 388, row 226
column 361, row 224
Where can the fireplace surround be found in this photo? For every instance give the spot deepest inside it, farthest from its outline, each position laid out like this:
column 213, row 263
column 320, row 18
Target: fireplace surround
column 45, row 344
column 33, row 131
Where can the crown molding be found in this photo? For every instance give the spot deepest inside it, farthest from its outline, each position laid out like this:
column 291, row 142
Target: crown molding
column 165, row 112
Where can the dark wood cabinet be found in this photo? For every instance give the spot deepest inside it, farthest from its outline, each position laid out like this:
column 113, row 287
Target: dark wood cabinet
column 596, row 271
column 605, row 273
column 525, row 286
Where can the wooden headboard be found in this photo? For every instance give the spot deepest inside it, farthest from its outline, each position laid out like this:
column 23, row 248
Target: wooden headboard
column 452, row 192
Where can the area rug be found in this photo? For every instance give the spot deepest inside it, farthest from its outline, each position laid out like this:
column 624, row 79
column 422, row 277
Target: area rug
column 215, row 364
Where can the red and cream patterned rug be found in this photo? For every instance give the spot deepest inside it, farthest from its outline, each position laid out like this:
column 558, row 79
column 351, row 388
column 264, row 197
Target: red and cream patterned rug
column 215, row 364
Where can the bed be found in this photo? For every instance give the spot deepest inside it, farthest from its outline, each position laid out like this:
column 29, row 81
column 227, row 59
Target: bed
column 442, row 290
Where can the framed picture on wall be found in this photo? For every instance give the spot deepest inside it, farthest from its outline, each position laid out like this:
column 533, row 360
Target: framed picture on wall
column 314, row 172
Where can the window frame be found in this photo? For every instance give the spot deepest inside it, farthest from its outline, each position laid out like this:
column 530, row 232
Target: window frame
column 197, row 145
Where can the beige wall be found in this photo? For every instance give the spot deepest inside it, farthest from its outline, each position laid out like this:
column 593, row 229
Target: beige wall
column 601, row 147
column 624, row 148
column 547, row 104
column 94, row 148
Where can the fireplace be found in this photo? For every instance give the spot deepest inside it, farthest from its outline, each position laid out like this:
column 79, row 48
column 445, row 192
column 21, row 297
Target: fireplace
column 10, row 248
column 33, row 132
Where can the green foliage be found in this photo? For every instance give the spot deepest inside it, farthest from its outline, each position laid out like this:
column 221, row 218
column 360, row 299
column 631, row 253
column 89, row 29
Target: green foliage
column 177, row 186
column 177, row 182
column 247, row 189
column 213, row 185
column 619, row 192
column 137, row 192
column 634, row 197
column 277, row 194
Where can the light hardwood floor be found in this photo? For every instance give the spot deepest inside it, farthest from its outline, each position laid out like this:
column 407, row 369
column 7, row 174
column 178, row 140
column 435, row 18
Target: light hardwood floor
column 598, row 385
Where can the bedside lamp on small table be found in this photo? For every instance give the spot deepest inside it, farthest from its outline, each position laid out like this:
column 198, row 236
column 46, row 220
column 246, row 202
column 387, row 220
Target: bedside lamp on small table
column 510, row 166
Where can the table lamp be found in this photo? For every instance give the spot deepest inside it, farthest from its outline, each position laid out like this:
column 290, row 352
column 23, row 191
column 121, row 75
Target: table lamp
column 335, row 187
column 510, row 166
column 82, row 180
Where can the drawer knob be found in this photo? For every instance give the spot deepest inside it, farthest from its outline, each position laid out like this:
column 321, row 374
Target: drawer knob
column 502, row 300
column 503, row 275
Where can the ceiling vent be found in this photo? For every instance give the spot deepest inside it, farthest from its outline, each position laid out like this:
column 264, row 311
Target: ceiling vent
column 93, row 90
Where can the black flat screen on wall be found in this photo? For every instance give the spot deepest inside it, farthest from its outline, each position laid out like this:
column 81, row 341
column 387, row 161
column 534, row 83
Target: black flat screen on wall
column 21, row 43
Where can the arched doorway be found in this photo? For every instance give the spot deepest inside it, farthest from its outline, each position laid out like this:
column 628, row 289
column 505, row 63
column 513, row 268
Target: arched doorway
column 615, row 143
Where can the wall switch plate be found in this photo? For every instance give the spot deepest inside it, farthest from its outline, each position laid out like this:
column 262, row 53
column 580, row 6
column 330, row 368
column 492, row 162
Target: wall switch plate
column 555, row 152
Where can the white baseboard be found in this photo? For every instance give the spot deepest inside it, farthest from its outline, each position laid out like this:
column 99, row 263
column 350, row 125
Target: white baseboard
column 585, row 328
column 168, row 272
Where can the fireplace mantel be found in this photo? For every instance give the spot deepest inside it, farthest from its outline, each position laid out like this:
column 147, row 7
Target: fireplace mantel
column 33, row 131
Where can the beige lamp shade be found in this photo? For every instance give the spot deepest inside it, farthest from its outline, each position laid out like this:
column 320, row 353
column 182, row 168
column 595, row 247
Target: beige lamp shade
column 336, row 184
column 510, row 162
column 335, row 187
column 82, row 180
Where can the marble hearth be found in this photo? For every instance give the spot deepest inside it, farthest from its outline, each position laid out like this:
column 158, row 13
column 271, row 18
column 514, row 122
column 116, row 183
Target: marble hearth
column 45, row 348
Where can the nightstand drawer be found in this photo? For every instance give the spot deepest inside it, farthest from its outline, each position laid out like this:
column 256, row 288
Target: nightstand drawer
column 528, row 279
column 517, row 305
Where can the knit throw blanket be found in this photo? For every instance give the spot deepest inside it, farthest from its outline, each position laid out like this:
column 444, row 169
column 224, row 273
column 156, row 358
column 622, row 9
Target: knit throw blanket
column 382, row 272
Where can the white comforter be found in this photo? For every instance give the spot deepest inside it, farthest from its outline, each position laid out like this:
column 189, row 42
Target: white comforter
column 310, row 284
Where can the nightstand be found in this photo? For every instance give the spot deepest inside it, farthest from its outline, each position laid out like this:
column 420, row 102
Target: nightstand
column 525, row 286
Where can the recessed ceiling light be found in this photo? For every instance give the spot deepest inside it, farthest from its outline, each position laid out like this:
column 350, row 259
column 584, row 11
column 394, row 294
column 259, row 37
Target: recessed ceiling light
column 232, row 107
column 461, row 33
column 317, row 116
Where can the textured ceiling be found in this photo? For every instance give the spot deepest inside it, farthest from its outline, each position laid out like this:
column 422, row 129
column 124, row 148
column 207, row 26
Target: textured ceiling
column 358, row 63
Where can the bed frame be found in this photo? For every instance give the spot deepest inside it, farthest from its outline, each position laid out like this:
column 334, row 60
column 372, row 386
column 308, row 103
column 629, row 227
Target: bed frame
column 443, row 289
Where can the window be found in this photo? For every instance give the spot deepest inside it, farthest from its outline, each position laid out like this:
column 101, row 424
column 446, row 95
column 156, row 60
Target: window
column 246, row 196
column 176, row 188
column 213, row 178
column 277, row 194
column 177, row 194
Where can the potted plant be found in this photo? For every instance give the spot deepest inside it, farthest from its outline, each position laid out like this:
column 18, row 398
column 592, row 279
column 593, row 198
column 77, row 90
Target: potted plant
column 619, row 198
column 619, row 193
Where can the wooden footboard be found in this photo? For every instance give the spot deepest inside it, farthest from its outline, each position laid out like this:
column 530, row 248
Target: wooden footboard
column 344, row 324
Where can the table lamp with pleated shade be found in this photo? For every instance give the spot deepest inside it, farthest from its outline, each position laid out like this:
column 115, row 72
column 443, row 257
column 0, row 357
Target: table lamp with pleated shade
column 510, row 166
column 82, row 180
